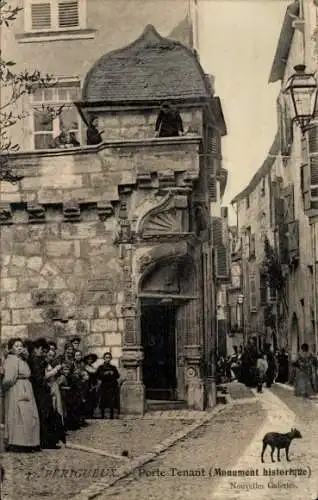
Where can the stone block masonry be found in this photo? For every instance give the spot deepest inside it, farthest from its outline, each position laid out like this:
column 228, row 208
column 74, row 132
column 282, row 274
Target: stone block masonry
column 62, row 269
column 48, row 287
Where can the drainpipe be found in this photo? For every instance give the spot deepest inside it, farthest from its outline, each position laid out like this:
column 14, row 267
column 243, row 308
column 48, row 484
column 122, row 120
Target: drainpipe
column 315, row 275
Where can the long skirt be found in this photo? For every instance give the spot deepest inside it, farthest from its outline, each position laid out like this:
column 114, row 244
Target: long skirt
column 108, row 397
column 22, row 425
column 51, row 425
column 303, row 384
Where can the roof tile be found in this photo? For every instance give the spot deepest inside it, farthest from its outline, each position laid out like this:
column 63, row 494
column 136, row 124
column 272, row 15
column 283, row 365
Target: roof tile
column 151, row 68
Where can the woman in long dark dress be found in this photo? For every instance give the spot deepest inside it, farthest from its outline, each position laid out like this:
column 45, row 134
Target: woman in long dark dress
column 51, row 426
column 108, row 391
column 272, row 366
column 283, row 367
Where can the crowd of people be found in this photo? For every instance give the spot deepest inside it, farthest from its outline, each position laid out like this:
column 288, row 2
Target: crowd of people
column 47, row 394
column 258, row 367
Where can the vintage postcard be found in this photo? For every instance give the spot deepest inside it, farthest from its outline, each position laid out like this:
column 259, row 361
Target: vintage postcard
column 159, row 249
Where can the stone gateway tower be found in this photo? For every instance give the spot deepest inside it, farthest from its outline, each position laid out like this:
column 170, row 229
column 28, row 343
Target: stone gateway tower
column 113, row 241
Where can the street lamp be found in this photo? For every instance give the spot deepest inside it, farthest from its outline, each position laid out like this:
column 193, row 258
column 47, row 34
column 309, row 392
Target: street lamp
column 301, row 91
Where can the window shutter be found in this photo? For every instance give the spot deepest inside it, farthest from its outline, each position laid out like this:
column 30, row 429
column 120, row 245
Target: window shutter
column 285, row 126
column 313, row 139
column 305, row 186
column 213, row 143
column 252, row 245
column 253, row 297
column 271, row 295
column 314, row 178
column 41, row 16
column 279, row 207
column 283, row 243
column 289, row 208
column 293, row 239
column 223, row 181
column 217, row 231
column 213, row 162
column 221, row 263
column 68, row 13
column 263, row 290
column 212, row 179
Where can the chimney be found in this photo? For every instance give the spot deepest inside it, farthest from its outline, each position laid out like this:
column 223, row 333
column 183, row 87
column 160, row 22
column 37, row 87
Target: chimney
column 210, row 80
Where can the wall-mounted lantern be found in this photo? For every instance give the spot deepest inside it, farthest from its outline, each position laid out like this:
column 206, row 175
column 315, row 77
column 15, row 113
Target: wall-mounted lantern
column 301, row 92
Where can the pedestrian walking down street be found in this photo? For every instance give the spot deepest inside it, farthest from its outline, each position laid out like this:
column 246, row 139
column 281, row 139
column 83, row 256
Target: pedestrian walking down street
column 272, row 366
column 261, row 371
column 22, row 424
column 248, row 366
column 283, row 367
column 108, row 391
column 305, row 365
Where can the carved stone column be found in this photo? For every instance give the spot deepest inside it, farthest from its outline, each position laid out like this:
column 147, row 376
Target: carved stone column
column 194, row 382
column 132, row 390
column 192, row 351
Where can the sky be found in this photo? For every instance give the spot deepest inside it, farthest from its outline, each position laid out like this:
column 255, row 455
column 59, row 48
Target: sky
column 237, row 44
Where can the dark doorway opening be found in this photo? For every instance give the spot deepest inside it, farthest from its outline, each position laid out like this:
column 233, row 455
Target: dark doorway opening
column 158, row 324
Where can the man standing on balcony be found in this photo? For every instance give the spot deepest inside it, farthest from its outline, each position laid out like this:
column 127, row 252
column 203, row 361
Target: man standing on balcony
column 169, row 122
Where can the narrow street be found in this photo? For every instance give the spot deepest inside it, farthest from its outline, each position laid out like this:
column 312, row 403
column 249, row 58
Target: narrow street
column 232, row 442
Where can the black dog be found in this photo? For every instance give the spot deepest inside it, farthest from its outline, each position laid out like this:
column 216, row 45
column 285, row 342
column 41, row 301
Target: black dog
column 279, row 441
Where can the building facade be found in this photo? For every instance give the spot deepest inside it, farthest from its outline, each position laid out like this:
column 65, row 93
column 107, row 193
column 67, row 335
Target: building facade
column 280, row 269
column 64, row 38
column 115, row 241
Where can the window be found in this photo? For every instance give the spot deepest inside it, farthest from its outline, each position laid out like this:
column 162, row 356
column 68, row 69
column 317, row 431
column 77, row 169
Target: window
column 48, row 15
column 248, row 243
column 47, row 125
column 253, row 294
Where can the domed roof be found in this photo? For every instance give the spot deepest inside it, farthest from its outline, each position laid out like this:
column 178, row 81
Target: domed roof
column 151, row 68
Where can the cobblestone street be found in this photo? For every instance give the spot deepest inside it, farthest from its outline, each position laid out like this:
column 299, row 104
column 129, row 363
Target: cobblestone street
column 232, row 441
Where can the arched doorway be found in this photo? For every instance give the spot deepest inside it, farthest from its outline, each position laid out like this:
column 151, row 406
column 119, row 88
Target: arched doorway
column 158, row 336
column 166, row 293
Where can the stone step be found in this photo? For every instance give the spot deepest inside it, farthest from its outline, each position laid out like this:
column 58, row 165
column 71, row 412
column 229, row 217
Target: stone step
column 162, row 405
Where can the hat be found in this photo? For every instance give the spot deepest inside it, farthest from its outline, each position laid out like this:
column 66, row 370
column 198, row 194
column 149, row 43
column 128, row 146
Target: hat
column 90, row 356
column 76, row 338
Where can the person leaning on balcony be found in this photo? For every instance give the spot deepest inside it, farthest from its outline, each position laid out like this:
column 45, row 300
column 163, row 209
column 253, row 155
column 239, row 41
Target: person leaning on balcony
column 169, row 122
column 93, row 135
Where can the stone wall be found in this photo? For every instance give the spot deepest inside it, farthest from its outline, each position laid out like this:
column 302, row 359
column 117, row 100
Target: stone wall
column 141, row 124
column 62, row 271
column 93, row 173
column 61, row 279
